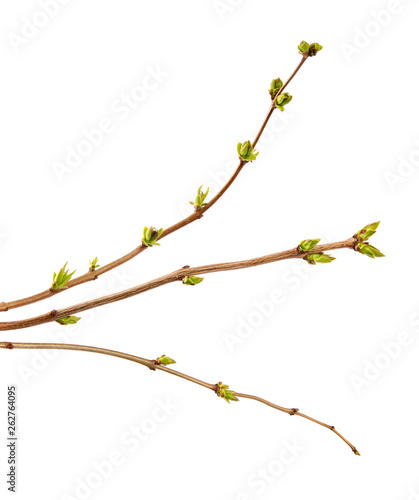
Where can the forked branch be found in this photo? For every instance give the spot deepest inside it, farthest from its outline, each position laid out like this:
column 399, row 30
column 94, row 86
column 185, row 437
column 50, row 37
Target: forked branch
column 96, row 271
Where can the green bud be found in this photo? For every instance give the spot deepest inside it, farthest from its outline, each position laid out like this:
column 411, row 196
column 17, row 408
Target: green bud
column 192, row 280
column 321, row 257
column 246, row 151
column 369, row 250
column 309, row 50
column 314, row 48
column 151, row 235
column 93, row 264
column 282, row 100
column 224, row 392
column 69, row 320
column 199, row 202
column 307, row 245
column 366, row 232
column 61, row 279
column 165, row 360
column 304, row 47
column 276, row 86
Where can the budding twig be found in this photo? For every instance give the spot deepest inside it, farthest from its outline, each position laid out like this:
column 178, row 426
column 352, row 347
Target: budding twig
column 178, row 275
column 93, row 273
column 157, row 365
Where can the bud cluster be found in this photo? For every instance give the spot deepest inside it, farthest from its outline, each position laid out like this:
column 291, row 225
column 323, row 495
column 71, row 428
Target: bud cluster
column 246, row 151
column 151, row 235
column 223, row 391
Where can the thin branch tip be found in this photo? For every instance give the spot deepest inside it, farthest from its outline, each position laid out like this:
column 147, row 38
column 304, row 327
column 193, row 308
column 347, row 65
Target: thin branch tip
column 221, row 390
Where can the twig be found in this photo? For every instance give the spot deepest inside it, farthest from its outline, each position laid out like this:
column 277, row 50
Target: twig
column 153, row 365
column 92, row 275
column 178, row 275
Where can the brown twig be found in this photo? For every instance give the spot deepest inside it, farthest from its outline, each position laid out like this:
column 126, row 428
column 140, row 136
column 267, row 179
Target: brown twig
column 152, row 365
column 197, row 214
column 177, row 275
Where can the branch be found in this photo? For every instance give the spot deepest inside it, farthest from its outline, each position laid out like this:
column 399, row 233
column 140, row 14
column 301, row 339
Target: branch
column 220, row 389
column 94, row 273
column 183, row 274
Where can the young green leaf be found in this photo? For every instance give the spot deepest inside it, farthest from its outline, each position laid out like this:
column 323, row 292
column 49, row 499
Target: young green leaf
column 93, row 264
column 276, row 86
column 151, row 235
column 192, row 280
column 165, row 360
column 307, row 245
column 325, row 258
column 69, row 320
column 61, row 279
column 246, row 151
column 224, row 392
column 282, row 100
column 366, row 232
column 320, row 257
column 199, row 202
column 369, row 250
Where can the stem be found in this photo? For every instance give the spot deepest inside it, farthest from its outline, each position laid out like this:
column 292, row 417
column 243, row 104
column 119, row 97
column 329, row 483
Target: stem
column 177, row 275
column 273, row 107
column 197, row 214
column 151, row 364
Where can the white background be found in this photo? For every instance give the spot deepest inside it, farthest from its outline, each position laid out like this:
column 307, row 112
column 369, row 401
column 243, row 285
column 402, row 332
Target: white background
column 328, row 165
